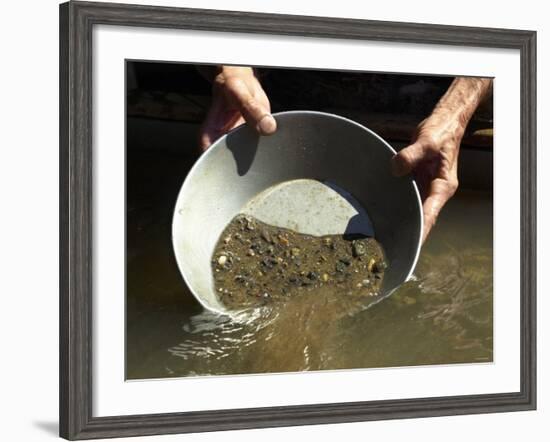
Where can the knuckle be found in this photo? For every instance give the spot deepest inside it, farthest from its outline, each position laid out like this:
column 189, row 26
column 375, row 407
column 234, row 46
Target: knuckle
column 250, row 102
column 219, row 81
column 409, row 154
column 227, row 83
column 403, row 156
column 432, row 147
column 430, row 144
column 452, row 185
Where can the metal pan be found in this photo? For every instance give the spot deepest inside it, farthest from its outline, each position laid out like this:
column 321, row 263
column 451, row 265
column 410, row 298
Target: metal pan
column 318, row 174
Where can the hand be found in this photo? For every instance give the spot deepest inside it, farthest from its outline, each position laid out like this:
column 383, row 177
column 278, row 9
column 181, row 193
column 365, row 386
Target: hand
column 237, row 97
column 433, row 155
column 433, row 158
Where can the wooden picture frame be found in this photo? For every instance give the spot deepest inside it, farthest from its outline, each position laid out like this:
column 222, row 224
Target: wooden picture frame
column 76, row 243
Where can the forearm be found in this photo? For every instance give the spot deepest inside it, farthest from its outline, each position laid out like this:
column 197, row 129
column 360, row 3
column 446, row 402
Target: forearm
column 462, row 99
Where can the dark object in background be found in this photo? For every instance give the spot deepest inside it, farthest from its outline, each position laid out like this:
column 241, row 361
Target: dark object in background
column 167, row 103
column 390, row 104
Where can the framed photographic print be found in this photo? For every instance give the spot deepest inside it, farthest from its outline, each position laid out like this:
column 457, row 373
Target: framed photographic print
column 272, row 220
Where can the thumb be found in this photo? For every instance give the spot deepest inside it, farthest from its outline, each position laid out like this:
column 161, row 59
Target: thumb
column 407, row 159
column 254, row 112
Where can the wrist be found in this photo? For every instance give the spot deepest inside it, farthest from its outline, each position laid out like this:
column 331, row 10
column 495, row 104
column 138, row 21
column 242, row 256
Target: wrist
column 212, row 72
column 461, row 101
column 240, row 71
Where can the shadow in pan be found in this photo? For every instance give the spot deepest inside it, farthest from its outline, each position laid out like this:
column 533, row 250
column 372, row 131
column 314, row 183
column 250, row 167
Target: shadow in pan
column 243, row 144
column 360, row 224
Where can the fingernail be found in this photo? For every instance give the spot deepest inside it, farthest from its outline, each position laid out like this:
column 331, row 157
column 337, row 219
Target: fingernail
column 267, row 125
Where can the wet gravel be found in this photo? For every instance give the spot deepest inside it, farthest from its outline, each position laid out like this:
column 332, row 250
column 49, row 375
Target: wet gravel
column 255, row 263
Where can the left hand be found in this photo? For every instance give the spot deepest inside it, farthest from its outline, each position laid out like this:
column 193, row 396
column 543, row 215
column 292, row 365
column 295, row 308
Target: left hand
column 432, row 158
column 237, row 97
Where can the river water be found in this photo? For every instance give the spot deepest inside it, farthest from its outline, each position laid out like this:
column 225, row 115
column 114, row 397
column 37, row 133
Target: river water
column 444, row 315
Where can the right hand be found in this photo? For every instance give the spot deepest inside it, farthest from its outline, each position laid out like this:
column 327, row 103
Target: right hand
column 433, row 160
column 237, row 97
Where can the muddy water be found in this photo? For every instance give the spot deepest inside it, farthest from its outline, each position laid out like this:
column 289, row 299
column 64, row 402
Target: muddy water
column 444, row 315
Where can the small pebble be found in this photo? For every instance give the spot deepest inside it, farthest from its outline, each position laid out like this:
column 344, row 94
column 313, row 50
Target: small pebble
column 358, row 248
column 340, row 266
column 222, row 260
column 283, row 241
column 313, row 276
column 371, row 265
column 380, row 266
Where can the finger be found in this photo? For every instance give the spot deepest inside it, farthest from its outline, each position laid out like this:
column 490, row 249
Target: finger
column 208, row 137
column 254, row 112
column 218, row 122
column 407, row 159
column 440, row 192
column 205, row 141
column 209, row 133
column 431, row 208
